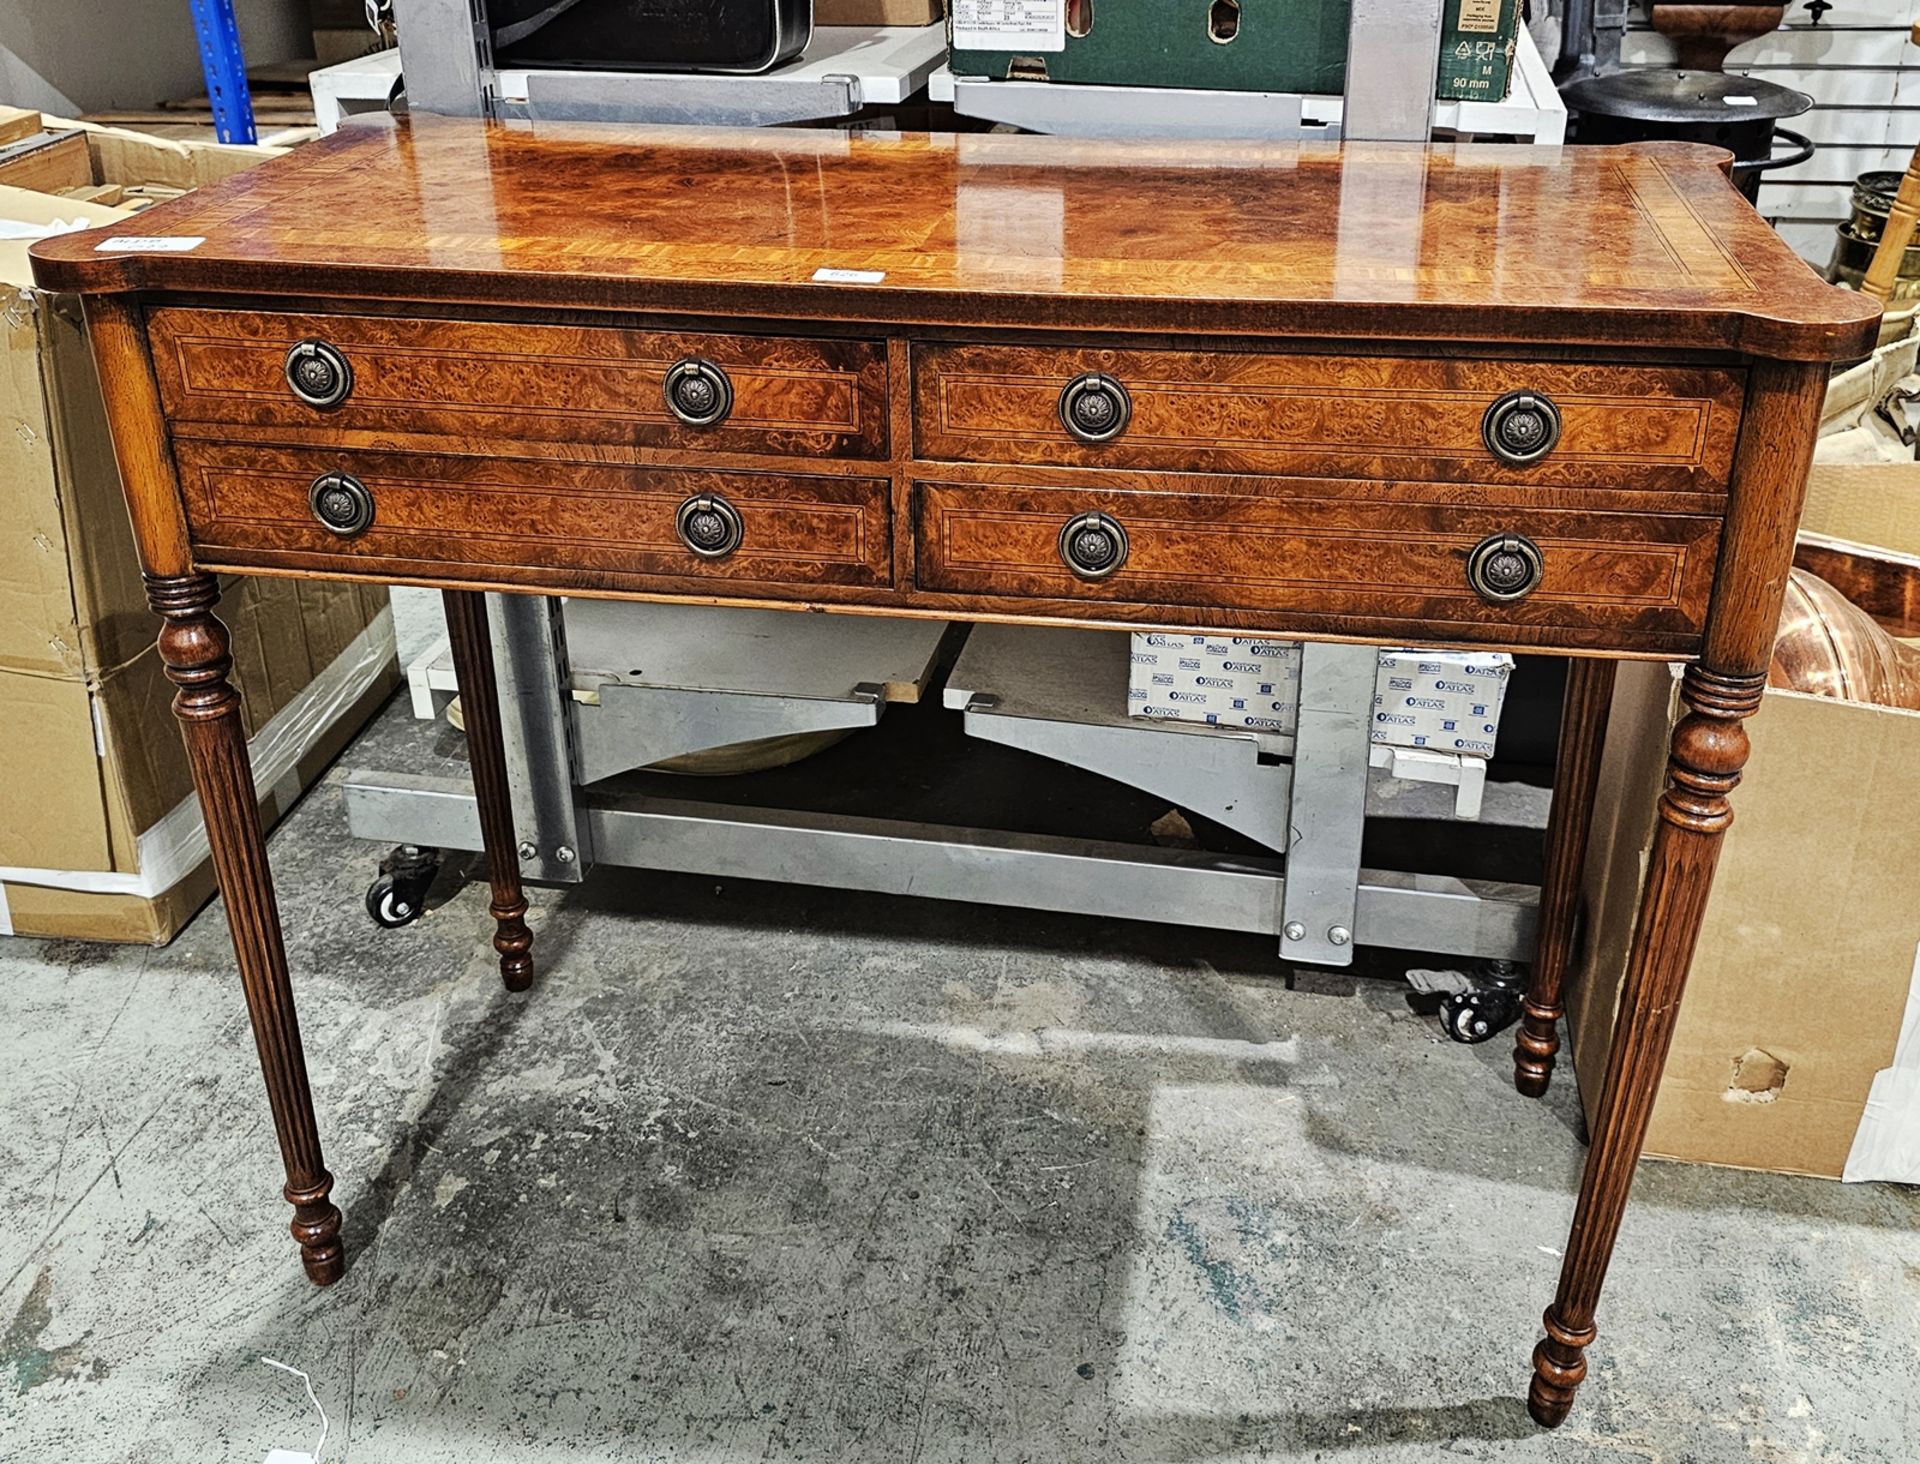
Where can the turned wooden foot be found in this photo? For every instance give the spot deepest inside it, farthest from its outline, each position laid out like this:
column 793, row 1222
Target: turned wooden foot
column 1709, row 749
column 1559, row 1367
column 1583, row 730
column 480, row 700
column 194, row 648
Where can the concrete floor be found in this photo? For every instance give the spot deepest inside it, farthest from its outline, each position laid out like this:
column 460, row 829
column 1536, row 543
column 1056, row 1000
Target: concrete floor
column 762, row 1173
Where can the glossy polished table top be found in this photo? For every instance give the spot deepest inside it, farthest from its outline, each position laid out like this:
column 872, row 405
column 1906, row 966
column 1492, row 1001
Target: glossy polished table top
column 1634, row 246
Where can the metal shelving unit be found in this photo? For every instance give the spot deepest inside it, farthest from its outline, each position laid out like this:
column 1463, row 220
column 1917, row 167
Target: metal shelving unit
column 707, row 677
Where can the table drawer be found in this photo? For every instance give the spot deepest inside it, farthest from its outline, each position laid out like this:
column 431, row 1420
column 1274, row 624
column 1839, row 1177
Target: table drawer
column 1669, row 428
column 472, row 379
column 423, row 514
column 1328, row 561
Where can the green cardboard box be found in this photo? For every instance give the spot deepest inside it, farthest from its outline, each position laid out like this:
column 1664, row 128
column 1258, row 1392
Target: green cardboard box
column 1222, row 45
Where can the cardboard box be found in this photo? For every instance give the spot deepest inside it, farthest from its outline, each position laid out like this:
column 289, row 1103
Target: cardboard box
column 877, row 12
column 1445, row 701
column 109, row 845
column 92, row 156
column 1865, row 503
column 1232, row 45
column 1798, row 1044
column 1865, row 484
column 1804, row 976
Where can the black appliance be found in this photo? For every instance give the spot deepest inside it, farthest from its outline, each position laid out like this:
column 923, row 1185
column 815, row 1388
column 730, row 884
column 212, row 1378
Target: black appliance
column 649, row 35
column 1739, row 113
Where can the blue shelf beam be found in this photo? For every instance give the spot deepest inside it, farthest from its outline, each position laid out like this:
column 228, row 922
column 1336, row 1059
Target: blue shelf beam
column 225, row 68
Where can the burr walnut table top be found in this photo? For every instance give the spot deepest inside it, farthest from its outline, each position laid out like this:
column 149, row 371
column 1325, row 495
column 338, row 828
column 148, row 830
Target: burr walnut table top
column 1630, row 246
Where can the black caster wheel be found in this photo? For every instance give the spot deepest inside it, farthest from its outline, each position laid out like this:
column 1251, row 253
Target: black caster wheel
column 399, row 896
column 1490, row 1008
column 1477, row 1016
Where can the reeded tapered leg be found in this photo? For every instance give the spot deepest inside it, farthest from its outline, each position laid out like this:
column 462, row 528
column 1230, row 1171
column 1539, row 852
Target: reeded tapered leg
column 1709, row 750
column 194, row 648
column 480, row 701
column 1583, row 731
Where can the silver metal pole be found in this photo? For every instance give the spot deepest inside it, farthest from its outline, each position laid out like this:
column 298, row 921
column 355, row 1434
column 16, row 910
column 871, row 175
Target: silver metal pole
column 1393, row 66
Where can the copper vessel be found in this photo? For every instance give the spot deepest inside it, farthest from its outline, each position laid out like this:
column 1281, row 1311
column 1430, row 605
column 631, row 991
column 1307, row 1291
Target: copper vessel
column 1828, row 646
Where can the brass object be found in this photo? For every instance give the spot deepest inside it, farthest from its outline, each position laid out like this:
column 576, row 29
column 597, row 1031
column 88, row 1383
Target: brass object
column 1856, row 240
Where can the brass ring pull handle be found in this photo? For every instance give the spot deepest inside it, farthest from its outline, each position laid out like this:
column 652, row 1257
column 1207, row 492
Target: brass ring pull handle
column 1521, row 428
column 342, row 504
column 1505, row 567
column 318, row 374
column 1093, row 545
column 698, row 392
column 1095, row 408
column 709, row 526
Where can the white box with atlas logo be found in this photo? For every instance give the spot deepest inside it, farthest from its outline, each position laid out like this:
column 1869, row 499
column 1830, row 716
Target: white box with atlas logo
column 1447, row 701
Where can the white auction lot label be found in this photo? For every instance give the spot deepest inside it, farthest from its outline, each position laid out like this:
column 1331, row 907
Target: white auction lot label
column 150, row 244
column 1010, row 25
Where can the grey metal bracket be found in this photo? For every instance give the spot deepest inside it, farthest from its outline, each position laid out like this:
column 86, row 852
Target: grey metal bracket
column 530, row 661
column 1066, row 109
column 1062, row 694
column 629, row 96
column 1329, row 807
column 653, row 682
column 629, row 727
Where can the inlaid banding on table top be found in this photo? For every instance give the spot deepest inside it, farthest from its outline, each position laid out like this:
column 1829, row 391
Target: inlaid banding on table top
column 1692, row 249
column 1636, row 428
column 591, row 384
column 798, row 530
column 1640, row 246
column 1647, row 577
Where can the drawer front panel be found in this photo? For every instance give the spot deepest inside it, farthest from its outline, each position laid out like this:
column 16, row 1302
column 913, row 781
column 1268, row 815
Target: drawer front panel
column 1648, row 428
column 1621, row 580
column 469, row 516
column 588, row 384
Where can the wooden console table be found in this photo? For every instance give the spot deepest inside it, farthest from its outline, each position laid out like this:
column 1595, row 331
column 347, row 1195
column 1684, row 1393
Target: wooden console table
column 1531, row 398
